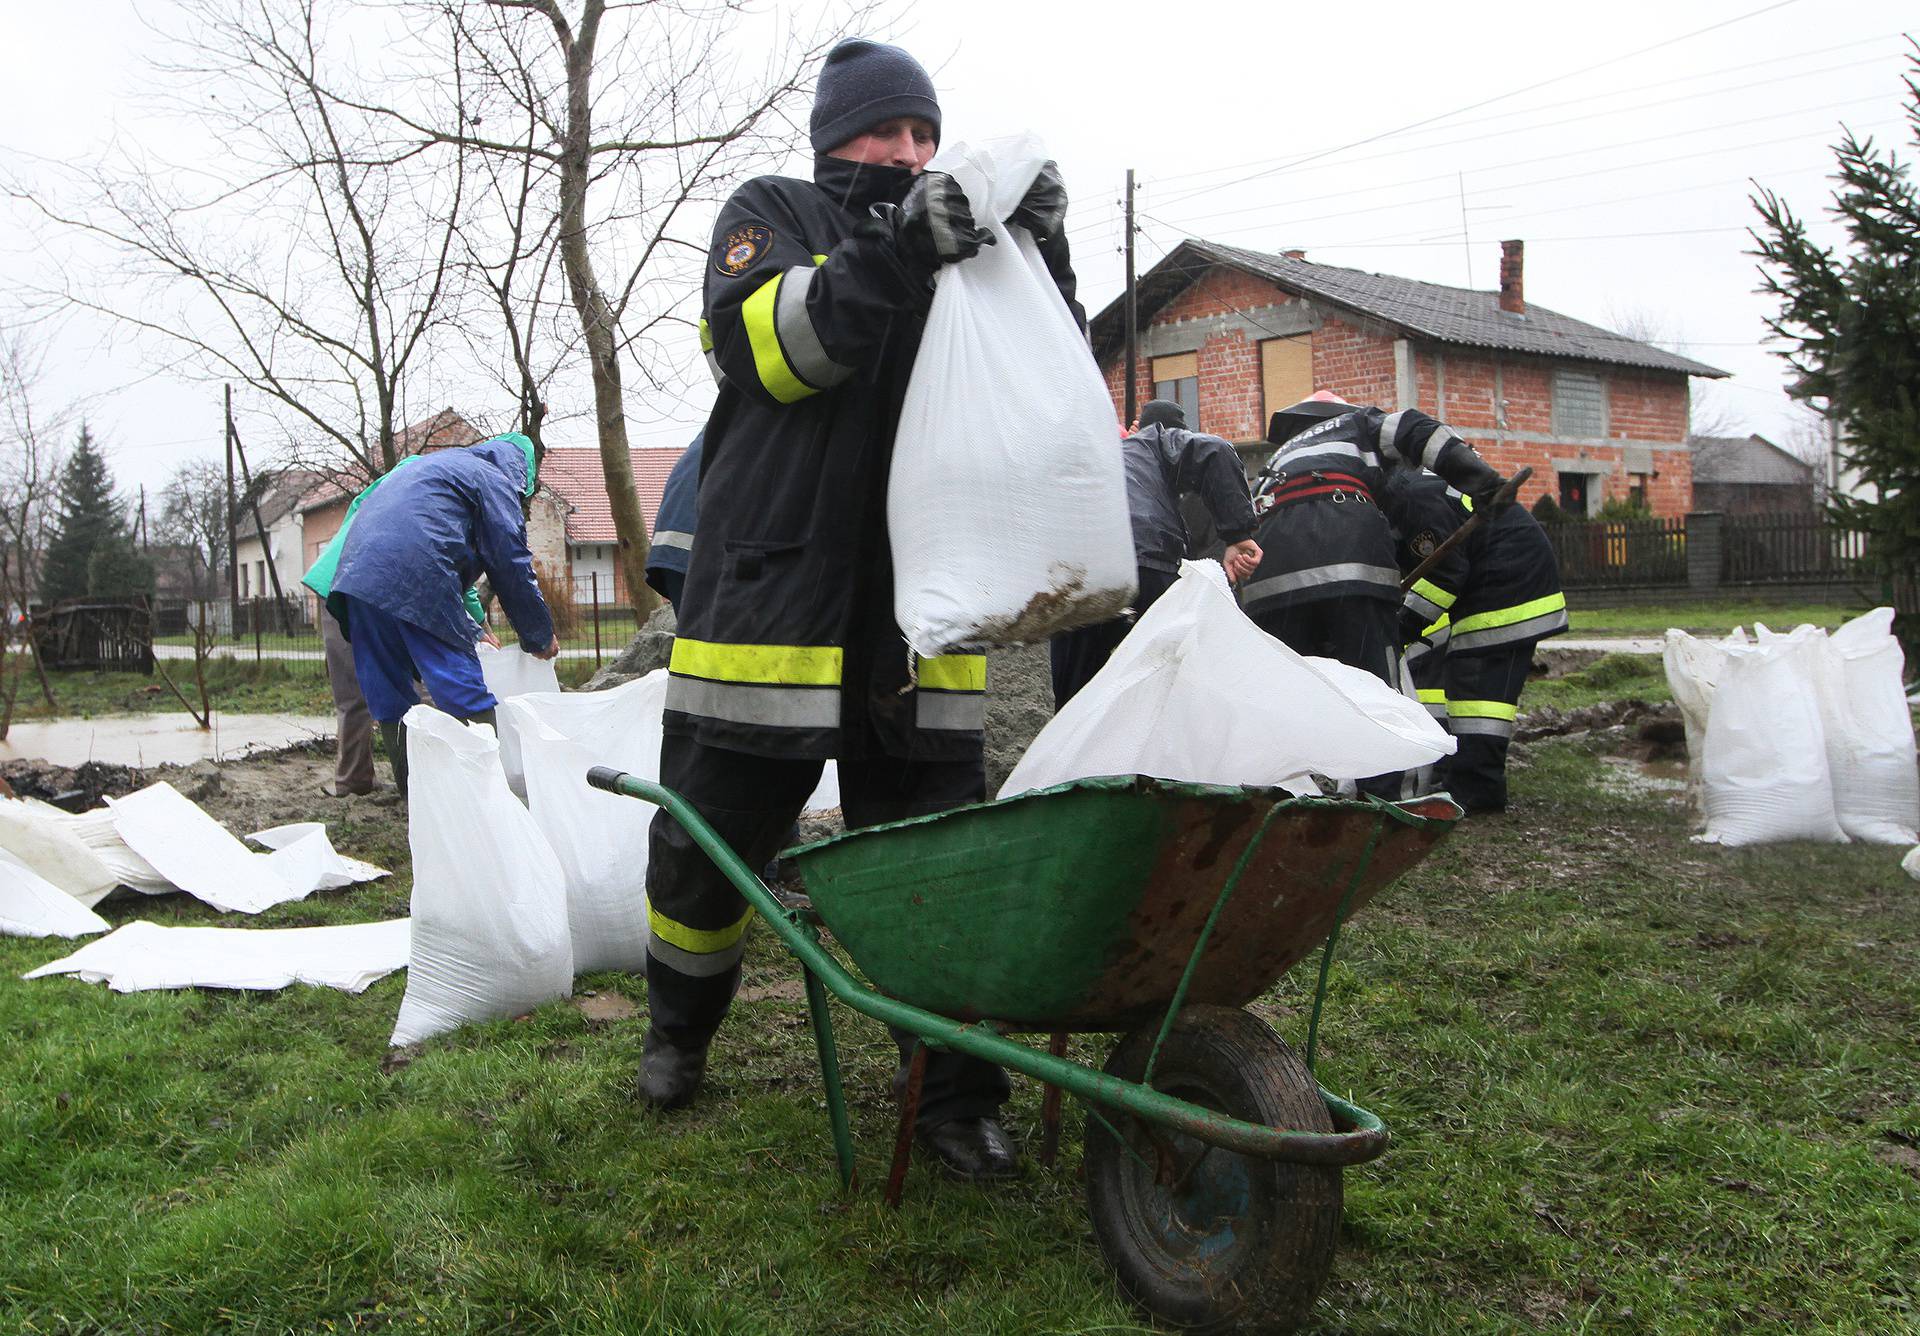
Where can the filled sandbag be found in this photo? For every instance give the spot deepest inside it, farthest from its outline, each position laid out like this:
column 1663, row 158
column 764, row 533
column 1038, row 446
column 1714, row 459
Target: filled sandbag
column 1764, row 771
column 489, row 900
column 1869, row 732
column 1006, row 501
column 509, row 672
column 1197, row 692
column 1694, row 667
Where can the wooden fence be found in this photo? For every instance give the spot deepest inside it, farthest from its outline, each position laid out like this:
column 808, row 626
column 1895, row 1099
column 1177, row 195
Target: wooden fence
column 1704, row 551
column 1620, row 552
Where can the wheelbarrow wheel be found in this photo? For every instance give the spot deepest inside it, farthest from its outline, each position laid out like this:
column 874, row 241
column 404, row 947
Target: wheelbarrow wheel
column 1203, row 1237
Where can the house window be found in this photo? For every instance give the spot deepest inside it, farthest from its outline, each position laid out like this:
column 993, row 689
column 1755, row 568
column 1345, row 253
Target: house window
column 259, row 579
column 1579, row 404
column 244, row 573
column 1286, row 373
column 1178, row 378
column 1637, row 489
column 1573, row 493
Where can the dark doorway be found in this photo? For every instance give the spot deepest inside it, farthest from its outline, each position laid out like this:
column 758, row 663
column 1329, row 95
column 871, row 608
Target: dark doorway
column 1573, row 494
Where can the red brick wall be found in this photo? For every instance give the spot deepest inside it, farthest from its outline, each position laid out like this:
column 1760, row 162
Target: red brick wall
column 1460, row 386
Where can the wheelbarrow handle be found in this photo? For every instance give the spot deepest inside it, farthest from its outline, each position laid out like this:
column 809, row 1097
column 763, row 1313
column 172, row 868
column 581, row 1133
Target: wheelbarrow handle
column 606, row 777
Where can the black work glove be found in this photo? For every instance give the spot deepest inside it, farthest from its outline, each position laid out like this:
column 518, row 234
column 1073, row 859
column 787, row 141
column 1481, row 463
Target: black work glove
column 1044, row 207
column 1411, row 625
column 1485, row 494
column 934, row 224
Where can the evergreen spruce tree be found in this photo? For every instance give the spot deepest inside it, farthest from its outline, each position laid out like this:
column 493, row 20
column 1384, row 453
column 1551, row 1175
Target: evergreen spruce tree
column 1853, row 318
column 119, row 569
column 87, row 518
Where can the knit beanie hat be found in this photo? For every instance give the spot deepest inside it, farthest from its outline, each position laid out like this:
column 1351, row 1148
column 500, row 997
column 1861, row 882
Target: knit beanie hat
column 1163, row 413
column 864, row 83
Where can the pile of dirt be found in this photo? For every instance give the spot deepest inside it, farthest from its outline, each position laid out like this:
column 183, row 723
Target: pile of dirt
column 77, row 789
column 650, row 648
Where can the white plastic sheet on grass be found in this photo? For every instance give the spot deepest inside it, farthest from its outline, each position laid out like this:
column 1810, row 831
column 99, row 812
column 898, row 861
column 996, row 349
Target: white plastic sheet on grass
column 490, row 934
column 142, row 956
column 201, row 857
column 1006, row 500
column 1197, row 692
column 32, row 906
column 44, row 839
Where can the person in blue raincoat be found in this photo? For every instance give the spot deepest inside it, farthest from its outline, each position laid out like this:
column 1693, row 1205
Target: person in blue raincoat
column 671, row 551
column 419, row 540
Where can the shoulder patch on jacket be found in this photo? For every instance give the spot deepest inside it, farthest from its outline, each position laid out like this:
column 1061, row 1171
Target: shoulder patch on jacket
column 742, row 248
column 1423, row 544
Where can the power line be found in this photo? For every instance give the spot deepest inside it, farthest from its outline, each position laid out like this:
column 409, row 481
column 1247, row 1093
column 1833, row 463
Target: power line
column 1595, row 97
column 1502, row 97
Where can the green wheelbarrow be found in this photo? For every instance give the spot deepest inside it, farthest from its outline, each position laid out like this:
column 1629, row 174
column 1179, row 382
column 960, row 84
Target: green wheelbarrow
column 1124, row 905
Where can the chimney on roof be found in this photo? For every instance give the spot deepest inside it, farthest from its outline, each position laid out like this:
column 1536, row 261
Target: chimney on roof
column 1293, row 254
column 1512, row 265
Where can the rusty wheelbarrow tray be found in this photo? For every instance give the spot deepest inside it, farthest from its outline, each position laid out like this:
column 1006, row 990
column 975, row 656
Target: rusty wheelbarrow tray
column 1118, row 904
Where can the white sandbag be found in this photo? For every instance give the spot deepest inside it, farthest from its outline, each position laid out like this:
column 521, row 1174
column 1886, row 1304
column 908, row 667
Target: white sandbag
column 1764, row 769
column 1198, row 692
column 32, row 906
column 599, row 838
column 54, row 851
column 199, row 855
column 1911, row 863
column 1006, row 501
column 510, row 671
column 1869, row 730
column 96, row 830
column 1694, row 667
column 489, row 899
column 141, row 956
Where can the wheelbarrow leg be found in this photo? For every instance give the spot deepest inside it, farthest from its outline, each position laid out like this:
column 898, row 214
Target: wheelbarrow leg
column 1050, row 1109
column 909, row 1114
column 830, row 1074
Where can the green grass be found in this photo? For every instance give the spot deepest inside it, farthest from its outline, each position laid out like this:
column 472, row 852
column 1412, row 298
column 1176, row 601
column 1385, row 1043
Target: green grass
column 271, row 686
column 1636, row 1085
column 1609, row 677
column 1589, row 617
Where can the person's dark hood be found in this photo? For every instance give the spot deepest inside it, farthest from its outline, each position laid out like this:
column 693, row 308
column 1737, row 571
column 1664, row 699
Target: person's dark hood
column 858, row 186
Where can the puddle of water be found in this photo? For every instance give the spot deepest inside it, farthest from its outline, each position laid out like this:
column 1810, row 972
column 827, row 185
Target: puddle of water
column 1626, row 775
column 143, row 740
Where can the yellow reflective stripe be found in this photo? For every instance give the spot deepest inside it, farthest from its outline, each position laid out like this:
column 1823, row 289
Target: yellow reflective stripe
column 1434, row 594
column 1433, row 695
column 778, row 665
column 1466, row 501
column 819, row 259
column 756, row 313
column 706, row 336
column 700, row 941
column 1483, row 709
column 1441, row 624
column 1520, row 612
column 955, row 672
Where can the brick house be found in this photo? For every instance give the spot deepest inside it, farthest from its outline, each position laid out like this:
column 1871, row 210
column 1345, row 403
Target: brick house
column 575, row 475
column 1236, row 334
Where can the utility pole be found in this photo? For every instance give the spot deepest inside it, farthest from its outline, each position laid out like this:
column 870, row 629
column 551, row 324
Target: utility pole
column 1133, row 315
column 143, row 517
column 233, row 557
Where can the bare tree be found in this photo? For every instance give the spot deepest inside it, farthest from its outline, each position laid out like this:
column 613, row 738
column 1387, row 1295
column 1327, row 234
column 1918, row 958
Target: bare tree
column 634, row 120
column 193, row 516
column 30, row 462
column 305, row 256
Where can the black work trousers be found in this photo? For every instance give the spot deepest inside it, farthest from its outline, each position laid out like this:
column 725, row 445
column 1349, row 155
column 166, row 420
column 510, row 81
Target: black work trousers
column 1078, row 654
column 1483, row 699
column 698, row 920
column 1362, row 633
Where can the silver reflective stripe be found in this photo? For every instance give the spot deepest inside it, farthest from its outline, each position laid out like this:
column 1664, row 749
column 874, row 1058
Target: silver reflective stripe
column 752, row 703
column 1437, row 708
column 1418, row 650
column 700, row 965
column 1389, row 429
column 713, row 365
column 799, row 340
column 1546, row 624
column 1435, row 444
column 1492, row 728
column 673, row 538
column 1338, row 573
column 965, row 711
column 1420, row 603
column 1341, row 449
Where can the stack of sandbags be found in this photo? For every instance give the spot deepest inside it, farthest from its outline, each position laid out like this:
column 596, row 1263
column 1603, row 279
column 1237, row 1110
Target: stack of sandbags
column 1799, row 736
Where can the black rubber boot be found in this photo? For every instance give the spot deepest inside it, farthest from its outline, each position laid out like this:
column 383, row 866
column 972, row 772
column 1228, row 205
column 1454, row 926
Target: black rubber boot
column 491, row 718
column 669, row 1077
column 394, row 736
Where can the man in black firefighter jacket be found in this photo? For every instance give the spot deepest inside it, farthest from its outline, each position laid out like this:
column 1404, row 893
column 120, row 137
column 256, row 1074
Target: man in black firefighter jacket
column 788, row 653
column 1164, row 462
column 1328, row 584
column 1473, row 621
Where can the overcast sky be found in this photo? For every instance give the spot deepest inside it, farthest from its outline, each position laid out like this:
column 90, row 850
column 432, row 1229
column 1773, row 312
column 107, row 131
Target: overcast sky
column 1620, row 142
